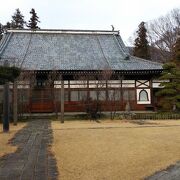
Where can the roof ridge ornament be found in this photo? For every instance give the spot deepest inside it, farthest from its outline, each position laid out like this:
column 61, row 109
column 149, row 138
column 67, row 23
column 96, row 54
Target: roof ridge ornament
column 112, row 27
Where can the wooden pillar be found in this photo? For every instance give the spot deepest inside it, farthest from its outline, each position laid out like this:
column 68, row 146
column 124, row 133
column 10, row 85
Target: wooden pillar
column 121, row 94
column 30, row 97
column 69, row 91
column 62, row 100
column 6, row 108
column 88, row 90
column 107, row 97
column 55, row 110
column 15, row 102
column 6, row 104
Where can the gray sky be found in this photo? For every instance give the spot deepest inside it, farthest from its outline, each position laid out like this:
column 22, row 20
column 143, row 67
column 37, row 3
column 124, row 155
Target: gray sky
column 125, row 15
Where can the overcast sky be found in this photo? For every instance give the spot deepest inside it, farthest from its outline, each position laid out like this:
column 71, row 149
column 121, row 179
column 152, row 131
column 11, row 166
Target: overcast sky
column 125, row 15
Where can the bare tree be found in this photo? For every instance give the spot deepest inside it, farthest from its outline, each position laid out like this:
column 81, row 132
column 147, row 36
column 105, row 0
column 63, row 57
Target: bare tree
column 96, row 91
column 101, row 86
column 52, row 91
column 163, row 34
column 24, row 86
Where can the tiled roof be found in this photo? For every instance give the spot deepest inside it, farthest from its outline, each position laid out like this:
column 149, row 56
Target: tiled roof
column 70, row 50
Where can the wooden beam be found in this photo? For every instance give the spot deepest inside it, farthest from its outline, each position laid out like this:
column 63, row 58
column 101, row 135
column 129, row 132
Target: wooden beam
column 62, row 101
column 15, row 102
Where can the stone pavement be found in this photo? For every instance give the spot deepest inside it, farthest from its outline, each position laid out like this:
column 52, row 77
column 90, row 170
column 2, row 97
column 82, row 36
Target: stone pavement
column 32, row 160
column 171, row 173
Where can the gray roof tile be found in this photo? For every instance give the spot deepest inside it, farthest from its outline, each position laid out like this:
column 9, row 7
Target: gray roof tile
column 70, row 51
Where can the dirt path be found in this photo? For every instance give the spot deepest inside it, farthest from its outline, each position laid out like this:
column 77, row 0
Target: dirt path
column 32, row 159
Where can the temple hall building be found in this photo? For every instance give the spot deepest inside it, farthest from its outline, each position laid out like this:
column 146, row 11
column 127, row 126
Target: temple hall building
column 67, row 70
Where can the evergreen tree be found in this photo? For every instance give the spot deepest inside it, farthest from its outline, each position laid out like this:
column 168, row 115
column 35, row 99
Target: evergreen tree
column 176, row 52
column 33, row 20
column 141, row 47
column 8, row 74
column 171, row 90
column 8, row 25
column 18, row 20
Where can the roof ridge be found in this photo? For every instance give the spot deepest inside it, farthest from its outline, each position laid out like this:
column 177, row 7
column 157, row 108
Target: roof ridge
column 63, row 31
column 145, row 60
column 102, row 51
column 121, row 42
column 120, row 46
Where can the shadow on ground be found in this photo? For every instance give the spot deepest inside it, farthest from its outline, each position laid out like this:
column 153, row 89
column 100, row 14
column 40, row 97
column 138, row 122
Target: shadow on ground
column 142, row 122
column 32, row 160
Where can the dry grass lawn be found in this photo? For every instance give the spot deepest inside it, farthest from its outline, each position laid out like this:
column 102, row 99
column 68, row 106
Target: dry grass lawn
column 6, row 148
column 114, row 150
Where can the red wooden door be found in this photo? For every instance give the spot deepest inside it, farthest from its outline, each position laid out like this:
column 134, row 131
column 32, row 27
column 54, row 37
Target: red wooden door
column 42, row 100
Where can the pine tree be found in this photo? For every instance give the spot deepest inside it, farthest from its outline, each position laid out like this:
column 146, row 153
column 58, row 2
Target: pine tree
column 18, row 20
column 33, row 20
column 176, row 52
column 170, row 93
column 8, row 25
column 141, row 46
column 8, row 74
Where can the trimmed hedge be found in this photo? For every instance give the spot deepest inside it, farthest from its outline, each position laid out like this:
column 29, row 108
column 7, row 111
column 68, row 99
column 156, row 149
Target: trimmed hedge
column 156, row 116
